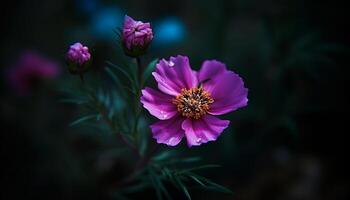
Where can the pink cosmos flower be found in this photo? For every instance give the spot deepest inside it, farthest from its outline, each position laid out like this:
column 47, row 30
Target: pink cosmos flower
column 78, row 54
column 189, row 101
column 136, row 36
column 29, row 70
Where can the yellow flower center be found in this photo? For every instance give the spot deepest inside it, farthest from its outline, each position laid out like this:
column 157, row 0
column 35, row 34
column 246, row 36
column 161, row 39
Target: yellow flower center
column 193, row 103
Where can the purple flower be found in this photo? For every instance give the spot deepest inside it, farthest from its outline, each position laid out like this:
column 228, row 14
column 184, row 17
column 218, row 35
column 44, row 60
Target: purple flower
column 189, row 101
column 136, row 36
column 30, row 69
column 78, row 57
column 78, row 54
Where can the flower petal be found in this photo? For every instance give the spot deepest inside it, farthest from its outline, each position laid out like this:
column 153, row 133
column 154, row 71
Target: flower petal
column 174, row 75
column 168, row 132
column 229, row 93
column 208, row 128
column 210, row 70
column 128, row 22
column 158, row 104
column 226, row 87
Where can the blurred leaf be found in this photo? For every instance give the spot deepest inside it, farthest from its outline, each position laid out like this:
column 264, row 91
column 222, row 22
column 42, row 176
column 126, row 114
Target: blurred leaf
column 143, row 144
column 120, row 69
column 156, row 188
column 117, row 81
column 158, row 185
column 149, row 69
column 167, row 173
column 197, row 168
column 197, row 180
column 182, row 186
column 182, row 160
column 171, row 157
column 82, row 119
column 130, row 90
column 164, row 155
column 118, row 33
column 113, row 76
column 209, row 184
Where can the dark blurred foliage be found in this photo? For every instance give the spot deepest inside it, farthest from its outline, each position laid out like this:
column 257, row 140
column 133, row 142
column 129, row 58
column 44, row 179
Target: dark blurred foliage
column 289, row 143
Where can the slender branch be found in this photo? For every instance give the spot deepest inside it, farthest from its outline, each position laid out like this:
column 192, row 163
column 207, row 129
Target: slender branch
column 140, row 165
column 137, row 99
column 119, row 135
column 139, row 70
column 145, row 159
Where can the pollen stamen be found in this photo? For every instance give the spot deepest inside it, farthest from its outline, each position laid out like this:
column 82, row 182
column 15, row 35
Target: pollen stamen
column 193, row 103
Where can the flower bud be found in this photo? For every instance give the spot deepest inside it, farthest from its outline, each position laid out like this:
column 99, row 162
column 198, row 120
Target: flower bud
column 136, row 37
column 78, row 57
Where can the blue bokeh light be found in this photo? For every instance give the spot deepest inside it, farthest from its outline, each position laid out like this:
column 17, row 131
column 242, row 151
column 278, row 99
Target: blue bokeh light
column 169, row 31
column 104, row 21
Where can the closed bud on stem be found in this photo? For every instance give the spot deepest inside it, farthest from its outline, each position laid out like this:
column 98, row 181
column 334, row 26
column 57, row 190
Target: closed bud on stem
column 78, row 58
column 136, row 37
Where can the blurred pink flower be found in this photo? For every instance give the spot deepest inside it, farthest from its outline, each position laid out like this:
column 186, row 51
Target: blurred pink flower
column 136, row 36
column 29, row 70
column 189, row 101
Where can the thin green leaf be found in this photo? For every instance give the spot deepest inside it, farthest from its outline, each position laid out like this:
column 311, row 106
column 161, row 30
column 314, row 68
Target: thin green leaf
column 117, row 32
column 164, row 155
column 130, row 90
column 129, row 136
column 149, row 69
column 197, row 168
column 211, row 185
column 182, row 186
column 191, row 159
column 159, row 183
column 167, row 173
column 156, row 186
column 112, row 75
column 183, row 160
column 197, row 180
column 82, row 119
column 125, row 73
column 143, row 144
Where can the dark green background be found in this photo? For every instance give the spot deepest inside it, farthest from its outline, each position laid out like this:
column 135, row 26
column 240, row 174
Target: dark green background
column 288, row 143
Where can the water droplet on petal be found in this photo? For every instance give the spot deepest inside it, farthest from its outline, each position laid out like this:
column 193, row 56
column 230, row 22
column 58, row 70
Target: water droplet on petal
column 171, row 63
column 199, row 140
column 164, row 115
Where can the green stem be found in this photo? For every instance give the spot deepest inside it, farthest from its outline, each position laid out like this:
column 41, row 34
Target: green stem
column 140, row 165
column 81, row 75
column 137, row 100
column 122, row 138
column 145, row 159
column 139, row 70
